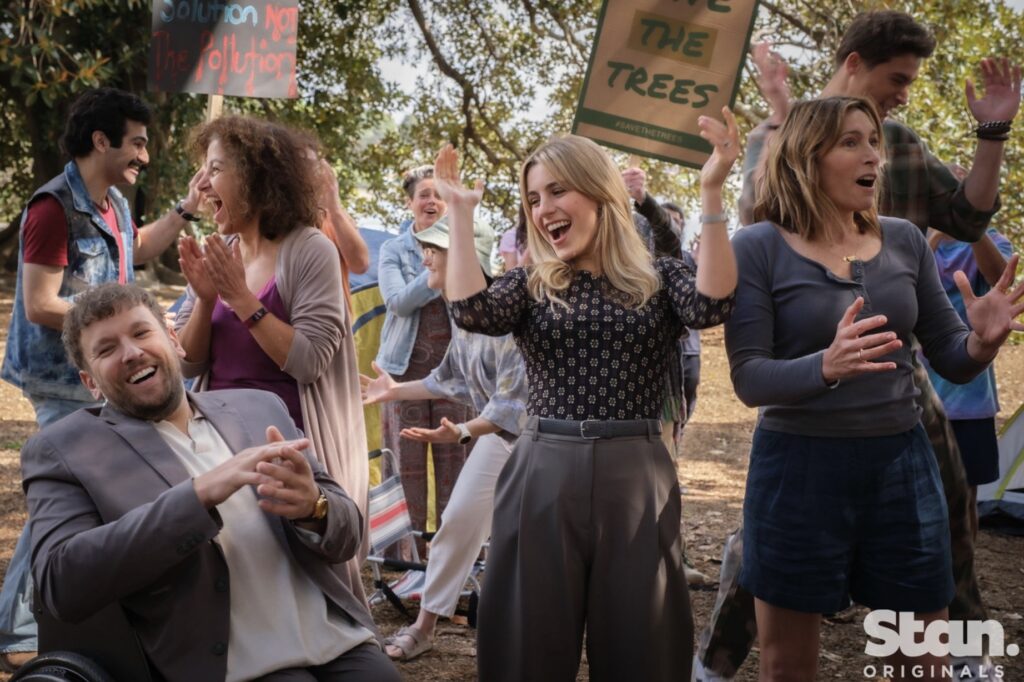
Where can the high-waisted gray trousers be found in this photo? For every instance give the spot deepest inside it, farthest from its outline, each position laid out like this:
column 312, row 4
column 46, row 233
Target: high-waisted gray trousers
column 586, row 536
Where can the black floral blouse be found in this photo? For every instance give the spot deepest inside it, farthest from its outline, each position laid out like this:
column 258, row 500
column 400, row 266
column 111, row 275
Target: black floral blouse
column 599, row 359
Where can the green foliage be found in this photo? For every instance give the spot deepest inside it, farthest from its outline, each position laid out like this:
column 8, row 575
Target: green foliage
column 497, row 79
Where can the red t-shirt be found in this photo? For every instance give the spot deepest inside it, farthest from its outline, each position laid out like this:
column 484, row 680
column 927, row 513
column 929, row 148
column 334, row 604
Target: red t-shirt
column 45, row 235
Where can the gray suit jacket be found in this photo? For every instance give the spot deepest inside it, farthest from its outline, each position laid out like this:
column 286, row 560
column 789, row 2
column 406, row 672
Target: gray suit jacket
column 114, row 517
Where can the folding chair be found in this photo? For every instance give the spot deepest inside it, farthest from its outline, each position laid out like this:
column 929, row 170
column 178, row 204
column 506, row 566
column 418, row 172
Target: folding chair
column 390, row 523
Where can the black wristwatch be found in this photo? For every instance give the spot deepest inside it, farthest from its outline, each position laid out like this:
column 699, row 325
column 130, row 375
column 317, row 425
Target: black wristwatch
column 464, row 435
column 179, row 208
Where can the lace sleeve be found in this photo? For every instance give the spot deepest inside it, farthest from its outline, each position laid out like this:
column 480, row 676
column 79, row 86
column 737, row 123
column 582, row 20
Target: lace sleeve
column 693, row 308
column 497, row 310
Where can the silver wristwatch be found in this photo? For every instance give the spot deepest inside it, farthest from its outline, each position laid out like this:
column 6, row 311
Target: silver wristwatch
column 464, row 435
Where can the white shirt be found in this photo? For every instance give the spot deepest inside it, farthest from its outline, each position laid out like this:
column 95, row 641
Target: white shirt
column 279, row 617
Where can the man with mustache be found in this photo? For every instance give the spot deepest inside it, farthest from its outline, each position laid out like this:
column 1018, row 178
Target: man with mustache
column 221, row 541
column 76, row 232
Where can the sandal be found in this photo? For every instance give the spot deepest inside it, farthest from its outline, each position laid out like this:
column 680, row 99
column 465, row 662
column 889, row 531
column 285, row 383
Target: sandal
column 420, row 644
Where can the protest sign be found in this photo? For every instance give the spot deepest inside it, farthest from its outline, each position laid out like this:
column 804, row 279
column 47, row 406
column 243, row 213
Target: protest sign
column 656, row 66
column 224, row 48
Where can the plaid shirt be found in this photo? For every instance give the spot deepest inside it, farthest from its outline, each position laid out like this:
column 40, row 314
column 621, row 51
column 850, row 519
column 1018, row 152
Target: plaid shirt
column 916, row 186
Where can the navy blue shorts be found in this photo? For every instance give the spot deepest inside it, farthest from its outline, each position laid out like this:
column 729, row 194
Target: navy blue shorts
column 827, row 519
column 979, row 448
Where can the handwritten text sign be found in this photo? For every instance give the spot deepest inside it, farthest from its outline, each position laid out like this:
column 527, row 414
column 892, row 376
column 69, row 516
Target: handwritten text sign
column 224, row 48
column 656, row 66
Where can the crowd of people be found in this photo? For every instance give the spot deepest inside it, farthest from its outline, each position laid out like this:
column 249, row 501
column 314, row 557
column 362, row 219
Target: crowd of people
column 228, row 524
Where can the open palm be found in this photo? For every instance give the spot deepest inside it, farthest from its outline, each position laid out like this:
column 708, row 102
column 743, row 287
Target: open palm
column 376, row 390
column 993, row 316
column 1001, row 100
column 448, row 183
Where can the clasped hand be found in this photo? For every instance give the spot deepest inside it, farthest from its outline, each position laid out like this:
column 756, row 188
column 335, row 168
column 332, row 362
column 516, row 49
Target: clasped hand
column 282, row 476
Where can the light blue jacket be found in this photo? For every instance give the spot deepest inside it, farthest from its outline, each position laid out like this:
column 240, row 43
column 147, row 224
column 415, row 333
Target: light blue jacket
column 403, row 285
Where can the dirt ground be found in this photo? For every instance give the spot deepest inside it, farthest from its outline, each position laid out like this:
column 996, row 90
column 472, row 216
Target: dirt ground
column 712, row 472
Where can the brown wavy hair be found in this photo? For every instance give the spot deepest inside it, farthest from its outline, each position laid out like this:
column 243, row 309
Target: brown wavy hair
column 789, row 192
column 278, row 181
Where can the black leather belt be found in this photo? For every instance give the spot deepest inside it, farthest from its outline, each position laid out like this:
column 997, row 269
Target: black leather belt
column 595, row 428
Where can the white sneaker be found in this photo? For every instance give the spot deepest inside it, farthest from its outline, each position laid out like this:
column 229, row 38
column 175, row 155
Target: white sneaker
column 701, row 674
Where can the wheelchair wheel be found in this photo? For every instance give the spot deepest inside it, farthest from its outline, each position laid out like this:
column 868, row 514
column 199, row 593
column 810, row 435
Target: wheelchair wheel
column 61, row 666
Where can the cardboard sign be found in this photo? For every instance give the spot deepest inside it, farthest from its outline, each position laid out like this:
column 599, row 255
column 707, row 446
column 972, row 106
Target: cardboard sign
column 656, row 66
column 224, row 48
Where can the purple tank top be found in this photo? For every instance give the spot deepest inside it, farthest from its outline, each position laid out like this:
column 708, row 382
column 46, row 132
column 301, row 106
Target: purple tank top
column 237, row 361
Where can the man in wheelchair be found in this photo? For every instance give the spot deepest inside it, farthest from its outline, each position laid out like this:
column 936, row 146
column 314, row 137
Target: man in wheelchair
column 205, row 517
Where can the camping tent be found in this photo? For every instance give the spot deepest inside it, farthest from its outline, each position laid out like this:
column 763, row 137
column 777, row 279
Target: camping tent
column 367, row 320
column 1001, row 503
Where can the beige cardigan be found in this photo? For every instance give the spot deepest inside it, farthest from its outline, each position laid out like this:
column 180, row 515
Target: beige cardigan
column 322, row 359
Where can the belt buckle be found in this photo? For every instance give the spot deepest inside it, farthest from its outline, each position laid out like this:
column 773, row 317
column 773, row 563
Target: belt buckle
column 583, row 429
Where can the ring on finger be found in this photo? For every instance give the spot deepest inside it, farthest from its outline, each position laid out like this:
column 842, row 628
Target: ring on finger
column 860, row 354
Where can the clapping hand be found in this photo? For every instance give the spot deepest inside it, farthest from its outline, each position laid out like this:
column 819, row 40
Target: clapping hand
column 226, row 270
column 245, row 468
column 289, row 489
column 193, row 266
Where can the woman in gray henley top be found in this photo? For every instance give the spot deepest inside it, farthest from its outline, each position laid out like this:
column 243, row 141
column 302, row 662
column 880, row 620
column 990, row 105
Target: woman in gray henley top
column 843, row 495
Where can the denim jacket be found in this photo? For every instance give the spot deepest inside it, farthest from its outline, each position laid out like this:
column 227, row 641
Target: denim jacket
column 403, row 285
column 35, row 360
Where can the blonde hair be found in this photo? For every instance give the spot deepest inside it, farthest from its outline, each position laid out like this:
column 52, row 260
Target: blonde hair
column 789, row 191
column 580, row 165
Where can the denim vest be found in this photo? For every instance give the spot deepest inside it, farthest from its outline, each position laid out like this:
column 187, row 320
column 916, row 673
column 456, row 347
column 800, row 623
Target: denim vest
column 35, row 360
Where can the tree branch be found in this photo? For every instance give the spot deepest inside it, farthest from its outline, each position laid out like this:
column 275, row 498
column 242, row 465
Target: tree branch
column 794, row 21
column 469, row 131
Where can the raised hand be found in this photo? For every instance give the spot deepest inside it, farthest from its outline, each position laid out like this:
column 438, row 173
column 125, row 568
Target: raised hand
column 327, row 184
column 726, row 139
column 635, row 180
column 193, row 266
column 853, row 351
column 376, row 390
column 772, row 72
column 448, row 183
column 993, row 316
column 447, row 432
column 1002, row 91
column 194, row 197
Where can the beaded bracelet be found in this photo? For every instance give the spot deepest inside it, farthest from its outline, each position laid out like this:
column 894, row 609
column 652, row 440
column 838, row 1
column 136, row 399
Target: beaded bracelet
column 994, row 130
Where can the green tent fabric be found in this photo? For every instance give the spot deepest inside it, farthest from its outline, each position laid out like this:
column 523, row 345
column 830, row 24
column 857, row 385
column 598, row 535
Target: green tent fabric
column 1001, row 503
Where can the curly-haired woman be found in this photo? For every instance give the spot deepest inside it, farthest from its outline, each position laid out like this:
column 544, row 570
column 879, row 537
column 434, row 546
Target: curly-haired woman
column 265, row 306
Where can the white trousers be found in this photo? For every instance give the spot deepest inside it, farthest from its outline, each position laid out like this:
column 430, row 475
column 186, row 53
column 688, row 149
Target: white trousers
column 465, row 525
